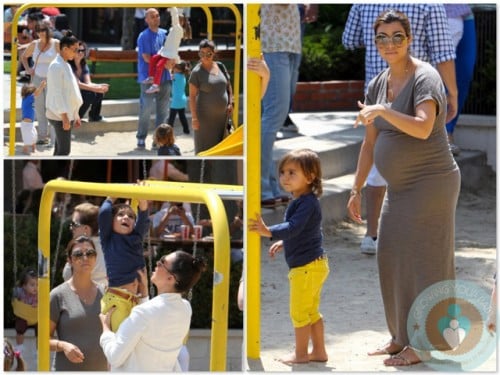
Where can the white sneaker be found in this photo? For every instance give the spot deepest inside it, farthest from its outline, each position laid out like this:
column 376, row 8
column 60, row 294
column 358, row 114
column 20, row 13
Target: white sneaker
column 369, row 246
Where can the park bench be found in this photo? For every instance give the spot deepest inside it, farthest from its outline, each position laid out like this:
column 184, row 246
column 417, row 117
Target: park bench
column 130, row 56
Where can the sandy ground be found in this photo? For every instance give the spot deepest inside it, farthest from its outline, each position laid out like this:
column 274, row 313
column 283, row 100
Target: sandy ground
column 351, row 301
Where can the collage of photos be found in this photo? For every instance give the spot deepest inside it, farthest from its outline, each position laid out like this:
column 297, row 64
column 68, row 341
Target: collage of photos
column 249, row 187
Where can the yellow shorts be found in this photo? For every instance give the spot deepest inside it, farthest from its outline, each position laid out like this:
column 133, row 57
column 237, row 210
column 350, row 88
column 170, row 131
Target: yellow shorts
column 123, row 300
column 306, row 283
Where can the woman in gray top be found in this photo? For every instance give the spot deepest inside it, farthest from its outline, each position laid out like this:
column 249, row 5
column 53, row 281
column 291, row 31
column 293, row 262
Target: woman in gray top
column 404, row 115
column 74, row 313
column 210, row 98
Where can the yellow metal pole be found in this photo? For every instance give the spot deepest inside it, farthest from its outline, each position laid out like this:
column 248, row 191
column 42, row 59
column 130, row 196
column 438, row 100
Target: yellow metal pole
column 173, row 191
column 252, row 277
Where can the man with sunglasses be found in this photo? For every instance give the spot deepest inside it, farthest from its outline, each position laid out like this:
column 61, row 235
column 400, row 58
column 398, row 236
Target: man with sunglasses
column 431, row 43
column 149, row 43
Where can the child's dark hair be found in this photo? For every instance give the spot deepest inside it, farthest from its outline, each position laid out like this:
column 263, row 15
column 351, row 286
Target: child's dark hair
column 164, row 135
column 26, row 275
column 310, row 164
column 184, row 67
column 123, row 206
column 27, row 90
column 187, row 270
column 10, row 356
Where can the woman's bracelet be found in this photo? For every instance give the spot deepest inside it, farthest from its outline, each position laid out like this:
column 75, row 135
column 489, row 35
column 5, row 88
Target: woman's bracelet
column 355, row 192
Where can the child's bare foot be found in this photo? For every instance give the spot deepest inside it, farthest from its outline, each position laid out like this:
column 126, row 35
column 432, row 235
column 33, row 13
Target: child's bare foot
column 33, row 147
column 318, row 357
column 291, row 359
column 26, row 150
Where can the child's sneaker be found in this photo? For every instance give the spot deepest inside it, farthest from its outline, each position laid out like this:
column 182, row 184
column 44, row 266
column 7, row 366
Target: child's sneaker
column 148, row 80
column 152, row 89
column 369, row 246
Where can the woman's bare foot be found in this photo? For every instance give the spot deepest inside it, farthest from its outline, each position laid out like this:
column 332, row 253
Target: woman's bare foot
column 318, row 357
column 388, row 349
column 405, row 357
column 291, row 359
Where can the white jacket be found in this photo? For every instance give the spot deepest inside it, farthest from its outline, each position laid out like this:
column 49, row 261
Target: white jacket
column 151, row 337
column 63, row 94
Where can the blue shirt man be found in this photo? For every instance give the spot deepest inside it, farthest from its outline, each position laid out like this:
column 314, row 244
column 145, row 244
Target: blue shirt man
column 149, row 43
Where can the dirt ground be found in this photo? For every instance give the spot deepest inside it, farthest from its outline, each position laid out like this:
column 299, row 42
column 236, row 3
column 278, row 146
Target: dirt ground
column 351, row 301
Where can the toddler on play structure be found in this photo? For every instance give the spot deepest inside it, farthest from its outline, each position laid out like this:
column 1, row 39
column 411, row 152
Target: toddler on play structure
column 169, row 51
column 121, row 233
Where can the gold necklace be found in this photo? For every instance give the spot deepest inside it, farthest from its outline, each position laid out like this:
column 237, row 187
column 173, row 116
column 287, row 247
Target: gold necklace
column 390, row 91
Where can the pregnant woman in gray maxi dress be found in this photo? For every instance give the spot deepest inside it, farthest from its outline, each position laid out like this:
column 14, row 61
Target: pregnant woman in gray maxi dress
column 404, row 114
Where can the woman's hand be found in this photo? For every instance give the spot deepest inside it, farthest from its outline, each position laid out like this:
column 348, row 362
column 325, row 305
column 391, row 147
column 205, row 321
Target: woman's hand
column 368, row 113
column 195, row 124
column 106, row 319
column 275, row 248
column 354, row 208
column 72, row 352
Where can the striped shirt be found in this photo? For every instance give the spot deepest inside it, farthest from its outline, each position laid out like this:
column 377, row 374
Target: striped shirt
column 431, row 34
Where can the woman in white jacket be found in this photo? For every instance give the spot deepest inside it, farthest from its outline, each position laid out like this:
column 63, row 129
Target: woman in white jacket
column 151, row 338
column 63, row 95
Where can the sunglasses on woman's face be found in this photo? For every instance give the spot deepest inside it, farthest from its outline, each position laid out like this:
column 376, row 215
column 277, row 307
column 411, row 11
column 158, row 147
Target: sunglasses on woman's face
column 383, row 40
column 74, row 225
column 205, row 54
column 164, row 265
column 89, row 253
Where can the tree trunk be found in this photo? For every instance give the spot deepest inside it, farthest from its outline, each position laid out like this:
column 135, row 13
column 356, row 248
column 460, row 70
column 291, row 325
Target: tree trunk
column 128, row 25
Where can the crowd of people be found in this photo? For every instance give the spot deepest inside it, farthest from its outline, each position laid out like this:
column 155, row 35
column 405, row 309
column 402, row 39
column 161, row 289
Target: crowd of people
column 59, row 91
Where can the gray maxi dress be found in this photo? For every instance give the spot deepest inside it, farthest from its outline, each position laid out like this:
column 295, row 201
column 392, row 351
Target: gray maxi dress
column 416, row 240
column 211, row 107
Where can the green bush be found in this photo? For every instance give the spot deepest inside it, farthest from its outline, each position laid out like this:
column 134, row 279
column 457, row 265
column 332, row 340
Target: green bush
column 324, row 58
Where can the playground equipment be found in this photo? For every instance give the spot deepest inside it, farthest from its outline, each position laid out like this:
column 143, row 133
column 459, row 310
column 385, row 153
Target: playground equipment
column 252, row 278
column 208, row 14
column 209, row 194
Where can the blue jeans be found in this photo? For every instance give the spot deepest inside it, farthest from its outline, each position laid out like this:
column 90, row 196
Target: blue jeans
column 275, row 105
column 146, row 103
column 464, row 67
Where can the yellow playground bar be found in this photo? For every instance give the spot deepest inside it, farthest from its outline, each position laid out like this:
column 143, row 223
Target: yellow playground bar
column 209, row 194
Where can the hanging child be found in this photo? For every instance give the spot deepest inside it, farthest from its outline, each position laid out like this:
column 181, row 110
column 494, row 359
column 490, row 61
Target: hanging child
column 169, row 51
column 24, row 305
column 28, row 130
column 179, row 98
column 122, row 232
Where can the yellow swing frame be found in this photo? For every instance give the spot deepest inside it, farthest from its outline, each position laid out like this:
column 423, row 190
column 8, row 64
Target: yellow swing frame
column 209, row 194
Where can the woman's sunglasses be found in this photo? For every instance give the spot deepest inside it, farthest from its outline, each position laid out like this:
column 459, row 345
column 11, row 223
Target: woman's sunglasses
column 162, row 262
column 74, row 225
column 205, row 54
column 90, row 253
column 384, row 40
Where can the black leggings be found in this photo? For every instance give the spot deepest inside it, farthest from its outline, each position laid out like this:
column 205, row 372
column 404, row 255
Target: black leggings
column 21, row 326
column 182, row 117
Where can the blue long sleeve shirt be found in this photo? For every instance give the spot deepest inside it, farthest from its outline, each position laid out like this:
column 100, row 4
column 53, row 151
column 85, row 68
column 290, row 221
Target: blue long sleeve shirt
column 301, row 231
column 123, row 254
